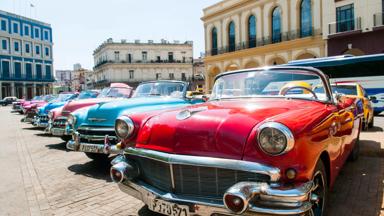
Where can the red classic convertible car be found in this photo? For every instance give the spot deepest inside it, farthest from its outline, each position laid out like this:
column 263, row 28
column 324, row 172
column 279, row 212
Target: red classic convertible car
column 265, row 143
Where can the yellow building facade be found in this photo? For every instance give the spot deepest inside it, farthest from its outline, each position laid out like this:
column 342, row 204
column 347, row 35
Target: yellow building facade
column 252, row 33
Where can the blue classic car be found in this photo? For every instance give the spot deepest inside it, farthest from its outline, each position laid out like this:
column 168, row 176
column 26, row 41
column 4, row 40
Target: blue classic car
column 93, row 127
column 41, row 119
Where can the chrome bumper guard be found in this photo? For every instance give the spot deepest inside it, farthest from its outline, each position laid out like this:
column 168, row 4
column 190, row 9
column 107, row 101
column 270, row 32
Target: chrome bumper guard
column 261, row 197
column 106, row 148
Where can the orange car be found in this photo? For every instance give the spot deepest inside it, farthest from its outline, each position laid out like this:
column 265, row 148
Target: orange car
column 355, row 90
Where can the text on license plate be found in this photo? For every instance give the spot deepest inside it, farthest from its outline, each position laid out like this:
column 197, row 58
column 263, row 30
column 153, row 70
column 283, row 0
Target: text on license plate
column 168, row 208
column 90, row 148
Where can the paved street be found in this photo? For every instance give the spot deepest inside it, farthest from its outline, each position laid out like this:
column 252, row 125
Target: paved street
column 39, row 177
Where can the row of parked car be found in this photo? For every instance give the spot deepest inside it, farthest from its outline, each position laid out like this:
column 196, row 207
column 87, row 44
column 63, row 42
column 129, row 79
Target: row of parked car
column 267, row 141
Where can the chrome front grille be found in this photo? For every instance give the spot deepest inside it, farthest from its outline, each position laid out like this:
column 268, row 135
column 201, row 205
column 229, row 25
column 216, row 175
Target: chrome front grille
column 43, row 118
column 96, row 134
column 196, row 181
column 60, row 122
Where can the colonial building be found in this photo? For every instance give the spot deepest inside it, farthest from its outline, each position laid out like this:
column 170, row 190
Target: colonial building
column 25, row 56
column 136, row 62
column 354, row 26
column 248, row 33
column 198, row 73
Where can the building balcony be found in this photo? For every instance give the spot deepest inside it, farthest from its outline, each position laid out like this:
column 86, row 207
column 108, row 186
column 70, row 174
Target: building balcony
column 378, row 20
column 24, row 78
column 143, row 62
column 344, row 26
column 279, row 38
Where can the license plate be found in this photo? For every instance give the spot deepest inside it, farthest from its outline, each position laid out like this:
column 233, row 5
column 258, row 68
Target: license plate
column 168, row 208
column 90, row 148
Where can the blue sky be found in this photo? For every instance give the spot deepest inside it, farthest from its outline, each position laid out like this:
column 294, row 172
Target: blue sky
column 79, row 26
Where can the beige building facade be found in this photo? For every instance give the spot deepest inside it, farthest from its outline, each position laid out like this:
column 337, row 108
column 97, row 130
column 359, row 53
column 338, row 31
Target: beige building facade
column 136, row 62
column 247, row 33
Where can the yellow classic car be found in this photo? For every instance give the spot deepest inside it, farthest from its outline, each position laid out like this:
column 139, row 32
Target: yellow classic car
column 355, row 90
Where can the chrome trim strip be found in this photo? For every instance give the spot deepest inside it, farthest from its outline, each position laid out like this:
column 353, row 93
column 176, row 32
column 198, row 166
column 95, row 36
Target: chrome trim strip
column 86, row 128
column 246, row 166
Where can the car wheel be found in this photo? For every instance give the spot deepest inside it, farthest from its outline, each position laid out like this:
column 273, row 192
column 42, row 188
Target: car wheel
column 21, row 112
column 66, row 138
column 371, row 124
column 97, row 157
column 354, row 155
column 377, row 113
column 319, row 195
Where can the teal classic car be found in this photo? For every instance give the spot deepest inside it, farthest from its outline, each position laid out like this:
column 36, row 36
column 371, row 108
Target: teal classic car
column 93, row 129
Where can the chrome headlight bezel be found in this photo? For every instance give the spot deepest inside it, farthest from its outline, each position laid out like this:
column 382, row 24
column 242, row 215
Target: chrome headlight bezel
column 71, row 120
column 283, row 130
column 50, row 115
column 124, row 121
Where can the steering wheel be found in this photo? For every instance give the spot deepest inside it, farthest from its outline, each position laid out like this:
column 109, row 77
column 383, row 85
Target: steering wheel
column 299, row 87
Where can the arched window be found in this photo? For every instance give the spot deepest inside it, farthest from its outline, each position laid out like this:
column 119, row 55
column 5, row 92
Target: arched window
column 252, row 31
column 231, row 37
column 305, row 18
column 214, row 41
column 276, row 25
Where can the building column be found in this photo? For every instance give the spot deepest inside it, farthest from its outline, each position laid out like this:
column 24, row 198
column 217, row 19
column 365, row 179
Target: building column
column 34, row 90
column 25, row 93
column 44, row 92
column 1, row 90
column 13, row 89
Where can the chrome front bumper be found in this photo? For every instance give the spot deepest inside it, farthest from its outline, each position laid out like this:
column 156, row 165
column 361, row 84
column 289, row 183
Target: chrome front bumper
column 146, row 194
column 264, row 198
column 106, row 148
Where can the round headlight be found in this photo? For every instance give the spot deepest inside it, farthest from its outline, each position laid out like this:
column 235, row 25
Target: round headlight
column 275, row 138
column 124, row 127
column 71, row 120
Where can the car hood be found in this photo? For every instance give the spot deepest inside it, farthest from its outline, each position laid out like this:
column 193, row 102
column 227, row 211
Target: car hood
column 74, row 105
column 50, row 106
column 219, row 128
column 105, row 113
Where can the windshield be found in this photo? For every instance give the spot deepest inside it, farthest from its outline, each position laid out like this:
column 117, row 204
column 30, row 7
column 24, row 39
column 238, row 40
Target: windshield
column 87, row 94
column 269, row 83
column 115, row 93
column 37, row 98
column 341, row 89
column 171, row 89
column 49, row 98
column 63, row 97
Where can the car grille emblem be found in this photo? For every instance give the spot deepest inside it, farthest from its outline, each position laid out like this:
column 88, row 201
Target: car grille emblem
column 96, row 119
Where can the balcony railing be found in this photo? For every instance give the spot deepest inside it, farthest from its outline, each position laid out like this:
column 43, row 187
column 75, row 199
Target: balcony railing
column 378, row 19
column 25, row 78
column 144, row 62
column 345, row 26
column 286, row 36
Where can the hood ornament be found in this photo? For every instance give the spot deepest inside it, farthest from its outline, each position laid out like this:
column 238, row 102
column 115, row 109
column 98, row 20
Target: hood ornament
column 183, row 115
column 188, row 113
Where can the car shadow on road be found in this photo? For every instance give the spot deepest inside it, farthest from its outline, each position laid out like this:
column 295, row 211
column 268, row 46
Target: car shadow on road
column 375, row 129
column 33, row 128
column 358, row 189
column 93, row 169
column 144, row 211
column 43, row 135
column 59, row 146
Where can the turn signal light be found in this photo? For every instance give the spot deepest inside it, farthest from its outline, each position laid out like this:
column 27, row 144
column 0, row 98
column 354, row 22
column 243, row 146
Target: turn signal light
column 291, row 173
